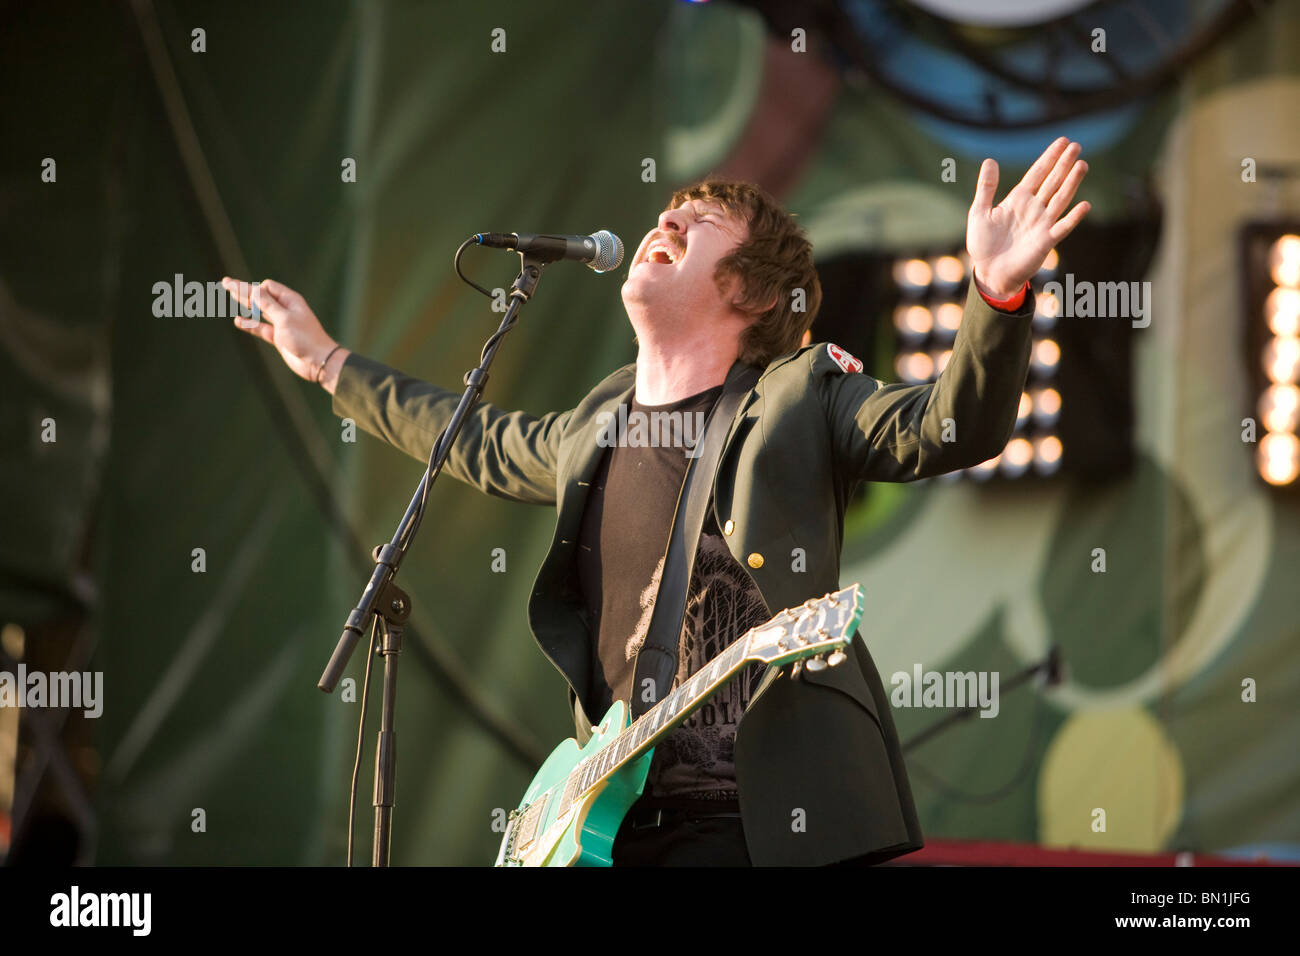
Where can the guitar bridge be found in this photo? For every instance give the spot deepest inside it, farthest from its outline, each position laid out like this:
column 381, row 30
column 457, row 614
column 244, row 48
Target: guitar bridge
column 524, row 831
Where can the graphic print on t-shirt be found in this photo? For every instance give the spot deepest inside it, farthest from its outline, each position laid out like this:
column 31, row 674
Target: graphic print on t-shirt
column 698, row 758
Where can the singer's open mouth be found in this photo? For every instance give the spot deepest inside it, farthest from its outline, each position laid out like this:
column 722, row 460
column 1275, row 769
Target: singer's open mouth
column 662, row 253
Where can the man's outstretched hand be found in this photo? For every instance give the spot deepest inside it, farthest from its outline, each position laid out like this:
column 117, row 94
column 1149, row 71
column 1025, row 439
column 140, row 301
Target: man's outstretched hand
column 292, row 327
column 1008, row 242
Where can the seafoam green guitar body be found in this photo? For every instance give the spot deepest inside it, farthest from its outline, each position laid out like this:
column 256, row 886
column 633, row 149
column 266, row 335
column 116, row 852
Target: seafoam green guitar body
column 585, row 835
column 574, row 807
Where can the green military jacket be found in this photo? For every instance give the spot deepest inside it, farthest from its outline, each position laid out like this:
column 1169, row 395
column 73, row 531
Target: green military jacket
column 818, row 765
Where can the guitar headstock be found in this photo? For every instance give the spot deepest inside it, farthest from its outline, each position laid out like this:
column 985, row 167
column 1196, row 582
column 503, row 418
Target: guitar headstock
column 816, row 627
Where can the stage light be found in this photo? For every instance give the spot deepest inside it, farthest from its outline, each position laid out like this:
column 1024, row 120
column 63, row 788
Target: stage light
column 1282, row 310
column 1045, row 357
column 948, row 272
column 1284, row 261
column 1047, row 406
column 1282, row 359
column 913, row 322
column 1279, row 458
column 1046, row 309
column 915, row 367
column 1047, row 454
column 1271, row 282
column 928, row 306
column 1017, row 457
column 947, row 319
column 1076, row 416
column 1279, row 408
column 913, row 275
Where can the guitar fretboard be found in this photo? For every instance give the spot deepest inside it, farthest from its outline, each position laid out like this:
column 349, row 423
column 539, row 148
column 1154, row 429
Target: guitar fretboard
column 815, row 628
column 655, row 723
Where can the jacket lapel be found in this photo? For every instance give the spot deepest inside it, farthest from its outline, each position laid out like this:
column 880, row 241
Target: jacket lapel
column 586, row 451
column 737, row 369
column 557, row 580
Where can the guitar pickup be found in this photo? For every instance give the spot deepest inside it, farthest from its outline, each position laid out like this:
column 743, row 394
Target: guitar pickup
column 526, row 830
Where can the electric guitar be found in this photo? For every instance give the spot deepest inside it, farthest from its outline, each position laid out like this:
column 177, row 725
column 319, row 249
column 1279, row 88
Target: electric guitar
column 572, row 810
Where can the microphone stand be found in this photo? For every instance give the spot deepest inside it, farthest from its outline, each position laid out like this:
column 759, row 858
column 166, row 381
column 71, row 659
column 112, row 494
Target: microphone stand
column 384, row 606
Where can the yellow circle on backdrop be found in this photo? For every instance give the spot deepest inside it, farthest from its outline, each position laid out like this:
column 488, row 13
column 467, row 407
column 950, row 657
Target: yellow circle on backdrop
column 1118, row 761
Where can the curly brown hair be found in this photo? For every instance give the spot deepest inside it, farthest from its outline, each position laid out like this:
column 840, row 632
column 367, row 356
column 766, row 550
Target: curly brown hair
column 773, row 265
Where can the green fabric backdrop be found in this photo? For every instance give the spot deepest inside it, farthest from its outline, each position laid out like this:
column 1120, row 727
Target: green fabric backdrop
column 180, row 433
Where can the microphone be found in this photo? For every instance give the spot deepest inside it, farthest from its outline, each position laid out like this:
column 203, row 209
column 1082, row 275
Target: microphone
column 602, row 251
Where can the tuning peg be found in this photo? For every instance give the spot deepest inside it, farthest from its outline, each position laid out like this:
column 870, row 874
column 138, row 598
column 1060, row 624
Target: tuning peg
column 816, row 664
column 837, row 658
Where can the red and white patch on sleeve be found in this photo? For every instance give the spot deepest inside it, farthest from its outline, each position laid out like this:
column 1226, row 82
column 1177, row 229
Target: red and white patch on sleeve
column 843, row 359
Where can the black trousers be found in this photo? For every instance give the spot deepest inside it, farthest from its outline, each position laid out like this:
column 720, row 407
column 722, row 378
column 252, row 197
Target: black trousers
column 710, row 841
column 716, row 841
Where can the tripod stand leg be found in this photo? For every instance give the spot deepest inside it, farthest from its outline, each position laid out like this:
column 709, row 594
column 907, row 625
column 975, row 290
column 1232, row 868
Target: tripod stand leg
column 390, row 644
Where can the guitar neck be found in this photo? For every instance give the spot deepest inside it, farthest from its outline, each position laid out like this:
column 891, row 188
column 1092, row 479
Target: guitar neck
column 659, row 720
column 816, row 627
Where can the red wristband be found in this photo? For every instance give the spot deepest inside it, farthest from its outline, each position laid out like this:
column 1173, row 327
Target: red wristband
column 1010, row 304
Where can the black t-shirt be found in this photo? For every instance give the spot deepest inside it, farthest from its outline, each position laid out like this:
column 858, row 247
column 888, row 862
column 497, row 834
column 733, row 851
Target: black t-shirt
column 621, row 549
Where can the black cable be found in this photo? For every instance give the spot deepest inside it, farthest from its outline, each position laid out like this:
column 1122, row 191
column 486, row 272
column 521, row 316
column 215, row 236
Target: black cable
column 371, row 648
column 500, row 333
column 471, row 241
column 993, row 796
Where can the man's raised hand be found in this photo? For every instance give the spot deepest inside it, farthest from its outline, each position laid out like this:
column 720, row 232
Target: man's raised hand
column 290, row 326
column 1008, row 242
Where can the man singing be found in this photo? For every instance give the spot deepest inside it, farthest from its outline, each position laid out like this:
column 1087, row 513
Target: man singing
column 772, row 771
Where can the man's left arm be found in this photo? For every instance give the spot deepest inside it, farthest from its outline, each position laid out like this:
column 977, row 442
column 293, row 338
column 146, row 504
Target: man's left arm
column 906, row 432
column 900, row 433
